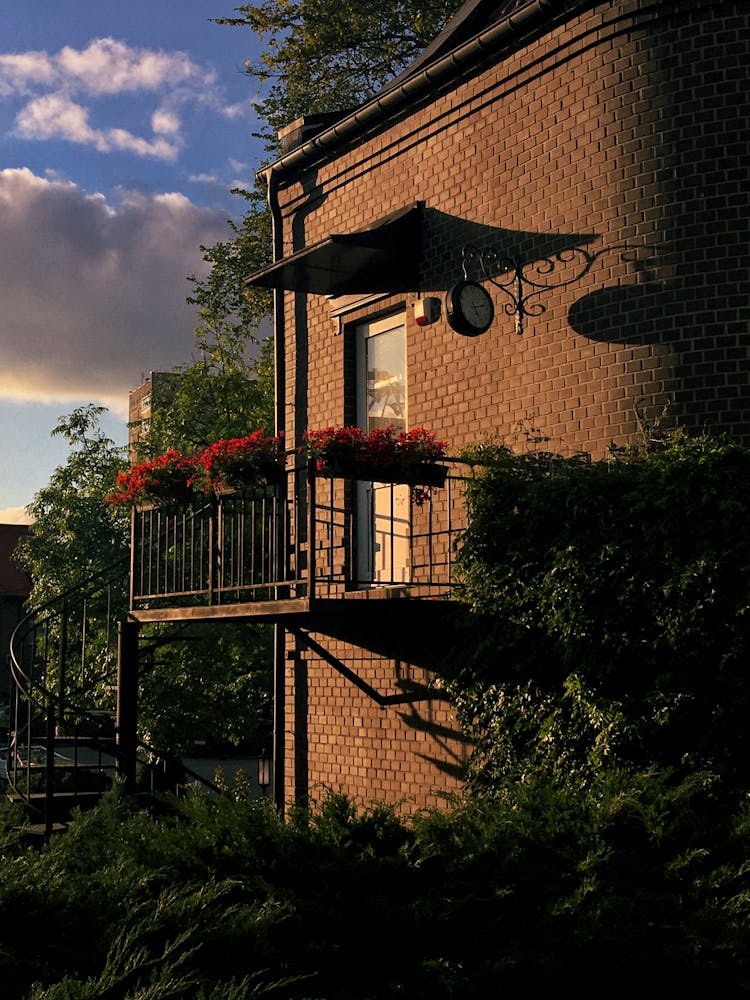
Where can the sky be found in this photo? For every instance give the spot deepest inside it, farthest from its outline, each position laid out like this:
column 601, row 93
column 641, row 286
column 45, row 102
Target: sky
column 123, row 128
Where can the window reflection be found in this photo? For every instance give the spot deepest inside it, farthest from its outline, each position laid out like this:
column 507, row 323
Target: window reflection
column 386, row 380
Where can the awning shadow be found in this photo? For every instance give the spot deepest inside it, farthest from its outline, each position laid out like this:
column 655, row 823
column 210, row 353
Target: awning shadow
column 440, row 271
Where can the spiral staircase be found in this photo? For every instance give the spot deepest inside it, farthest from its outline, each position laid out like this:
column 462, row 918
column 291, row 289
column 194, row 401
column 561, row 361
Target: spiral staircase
column 70, row 735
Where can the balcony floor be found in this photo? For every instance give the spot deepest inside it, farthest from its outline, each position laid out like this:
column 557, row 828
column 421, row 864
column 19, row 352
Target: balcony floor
column 389, row 621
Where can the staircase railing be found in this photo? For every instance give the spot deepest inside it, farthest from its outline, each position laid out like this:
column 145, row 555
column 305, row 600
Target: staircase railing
column 63, row 739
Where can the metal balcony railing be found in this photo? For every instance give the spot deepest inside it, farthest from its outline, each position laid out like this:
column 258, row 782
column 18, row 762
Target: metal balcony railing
column 307, row 537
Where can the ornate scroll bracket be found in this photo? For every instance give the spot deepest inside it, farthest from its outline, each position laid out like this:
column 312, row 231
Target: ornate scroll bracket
column 524, row 282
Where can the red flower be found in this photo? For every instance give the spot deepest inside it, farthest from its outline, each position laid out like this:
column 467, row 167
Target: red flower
column 238, row 462
column 175, row 477
column 165, row 478
column 385, row 454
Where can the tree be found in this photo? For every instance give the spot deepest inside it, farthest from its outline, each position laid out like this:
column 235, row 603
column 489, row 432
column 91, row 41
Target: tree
column 223, row 300
column 227, row 390
column 195, row 685
column 329, row 55
column 207, row 688
column 75, row 533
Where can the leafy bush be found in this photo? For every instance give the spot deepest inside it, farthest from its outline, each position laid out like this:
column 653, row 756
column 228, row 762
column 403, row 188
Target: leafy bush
column 616, row 604
column 538, row 889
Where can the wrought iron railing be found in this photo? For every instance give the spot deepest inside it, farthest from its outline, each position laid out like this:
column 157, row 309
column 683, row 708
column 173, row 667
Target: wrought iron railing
column 300, row 539
column 63, row 747
column 63, row 657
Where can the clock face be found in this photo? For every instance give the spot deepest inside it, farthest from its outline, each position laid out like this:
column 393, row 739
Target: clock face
column 469, row 308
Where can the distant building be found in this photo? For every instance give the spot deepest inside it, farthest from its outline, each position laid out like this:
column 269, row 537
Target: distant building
column 15, row 587
column 155, row 390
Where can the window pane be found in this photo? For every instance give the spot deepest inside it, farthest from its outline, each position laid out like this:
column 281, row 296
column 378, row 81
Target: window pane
column 386, row 380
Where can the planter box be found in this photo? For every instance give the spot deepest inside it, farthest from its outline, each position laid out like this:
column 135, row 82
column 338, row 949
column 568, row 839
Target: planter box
column 426, row 474
column 267, row 474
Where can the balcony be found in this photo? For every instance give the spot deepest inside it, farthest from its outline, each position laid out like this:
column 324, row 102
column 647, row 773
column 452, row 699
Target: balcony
column 311, row 551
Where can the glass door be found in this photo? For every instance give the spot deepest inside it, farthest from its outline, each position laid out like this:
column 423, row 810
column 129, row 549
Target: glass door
column 382, row 508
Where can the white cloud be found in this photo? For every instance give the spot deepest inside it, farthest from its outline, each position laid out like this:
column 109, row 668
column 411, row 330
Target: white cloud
column 19, row 71
column 107, row 66
column 55, row 116
column 203, row 179
column 93, row 290
column 121, row 139
column 237, row 110
column 165, row 122
column 59, row 92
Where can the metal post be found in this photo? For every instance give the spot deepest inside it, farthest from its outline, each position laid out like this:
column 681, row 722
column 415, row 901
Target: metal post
column 279, row 714
column 49, row 772
column 62, row 678
column 214, row 559
column 312, row 500
column 127, row 702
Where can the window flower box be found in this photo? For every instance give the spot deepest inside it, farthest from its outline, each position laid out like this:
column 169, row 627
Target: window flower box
column 161, row 482
column 386, row 455
column 178, row 480
column 237, row 464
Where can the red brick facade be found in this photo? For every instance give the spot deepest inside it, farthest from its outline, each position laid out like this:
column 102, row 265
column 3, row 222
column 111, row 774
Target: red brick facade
column 616, row 130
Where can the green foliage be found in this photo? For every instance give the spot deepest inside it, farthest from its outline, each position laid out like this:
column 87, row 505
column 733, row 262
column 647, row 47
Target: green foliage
column 616, row 598
column 205, row 685
column 223, row 300
column 75, row 533
column 194, row 686
column 223, row 393
column 227, row 389
column 330, row 55
column 226, row 392
column 540, row 889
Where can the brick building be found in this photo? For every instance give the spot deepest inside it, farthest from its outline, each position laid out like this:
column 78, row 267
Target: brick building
column 155, row 389
column 583, row 166
column 598, row 149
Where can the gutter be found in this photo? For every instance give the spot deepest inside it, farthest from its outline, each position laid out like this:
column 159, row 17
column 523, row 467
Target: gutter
column 395, row 97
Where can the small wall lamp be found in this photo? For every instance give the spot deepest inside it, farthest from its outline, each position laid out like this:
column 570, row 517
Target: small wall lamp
column 264, row 772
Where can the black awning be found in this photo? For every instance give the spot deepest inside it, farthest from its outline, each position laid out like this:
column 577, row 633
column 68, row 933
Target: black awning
column 382, row 258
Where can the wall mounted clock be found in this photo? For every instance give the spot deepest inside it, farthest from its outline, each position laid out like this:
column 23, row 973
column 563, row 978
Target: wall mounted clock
column 469, row 308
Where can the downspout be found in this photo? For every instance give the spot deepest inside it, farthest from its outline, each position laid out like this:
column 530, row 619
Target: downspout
column 279, row 351
column 279, row 339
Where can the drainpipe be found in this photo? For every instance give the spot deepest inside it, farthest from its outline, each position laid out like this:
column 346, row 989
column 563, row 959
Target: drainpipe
column 279, row 338
column 279, row 349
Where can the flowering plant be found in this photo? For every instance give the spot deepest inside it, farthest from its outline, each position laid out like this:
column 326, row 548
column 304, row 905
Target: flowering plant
column 384, row 455
column 234, row 463
column 166, row 479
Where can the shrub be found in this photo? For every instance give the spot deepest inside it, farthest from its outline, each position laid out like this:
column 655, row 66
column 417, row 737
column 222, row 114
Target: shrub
column 616, row 604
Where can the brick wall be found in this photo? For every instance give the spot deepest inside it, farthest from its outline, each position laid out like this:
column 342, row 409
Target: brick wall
column 619, row 134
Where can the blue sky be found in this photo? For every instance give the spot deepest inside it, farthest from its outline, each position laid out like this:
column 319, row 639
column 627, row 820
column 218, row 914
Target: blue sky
column 123, row 127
